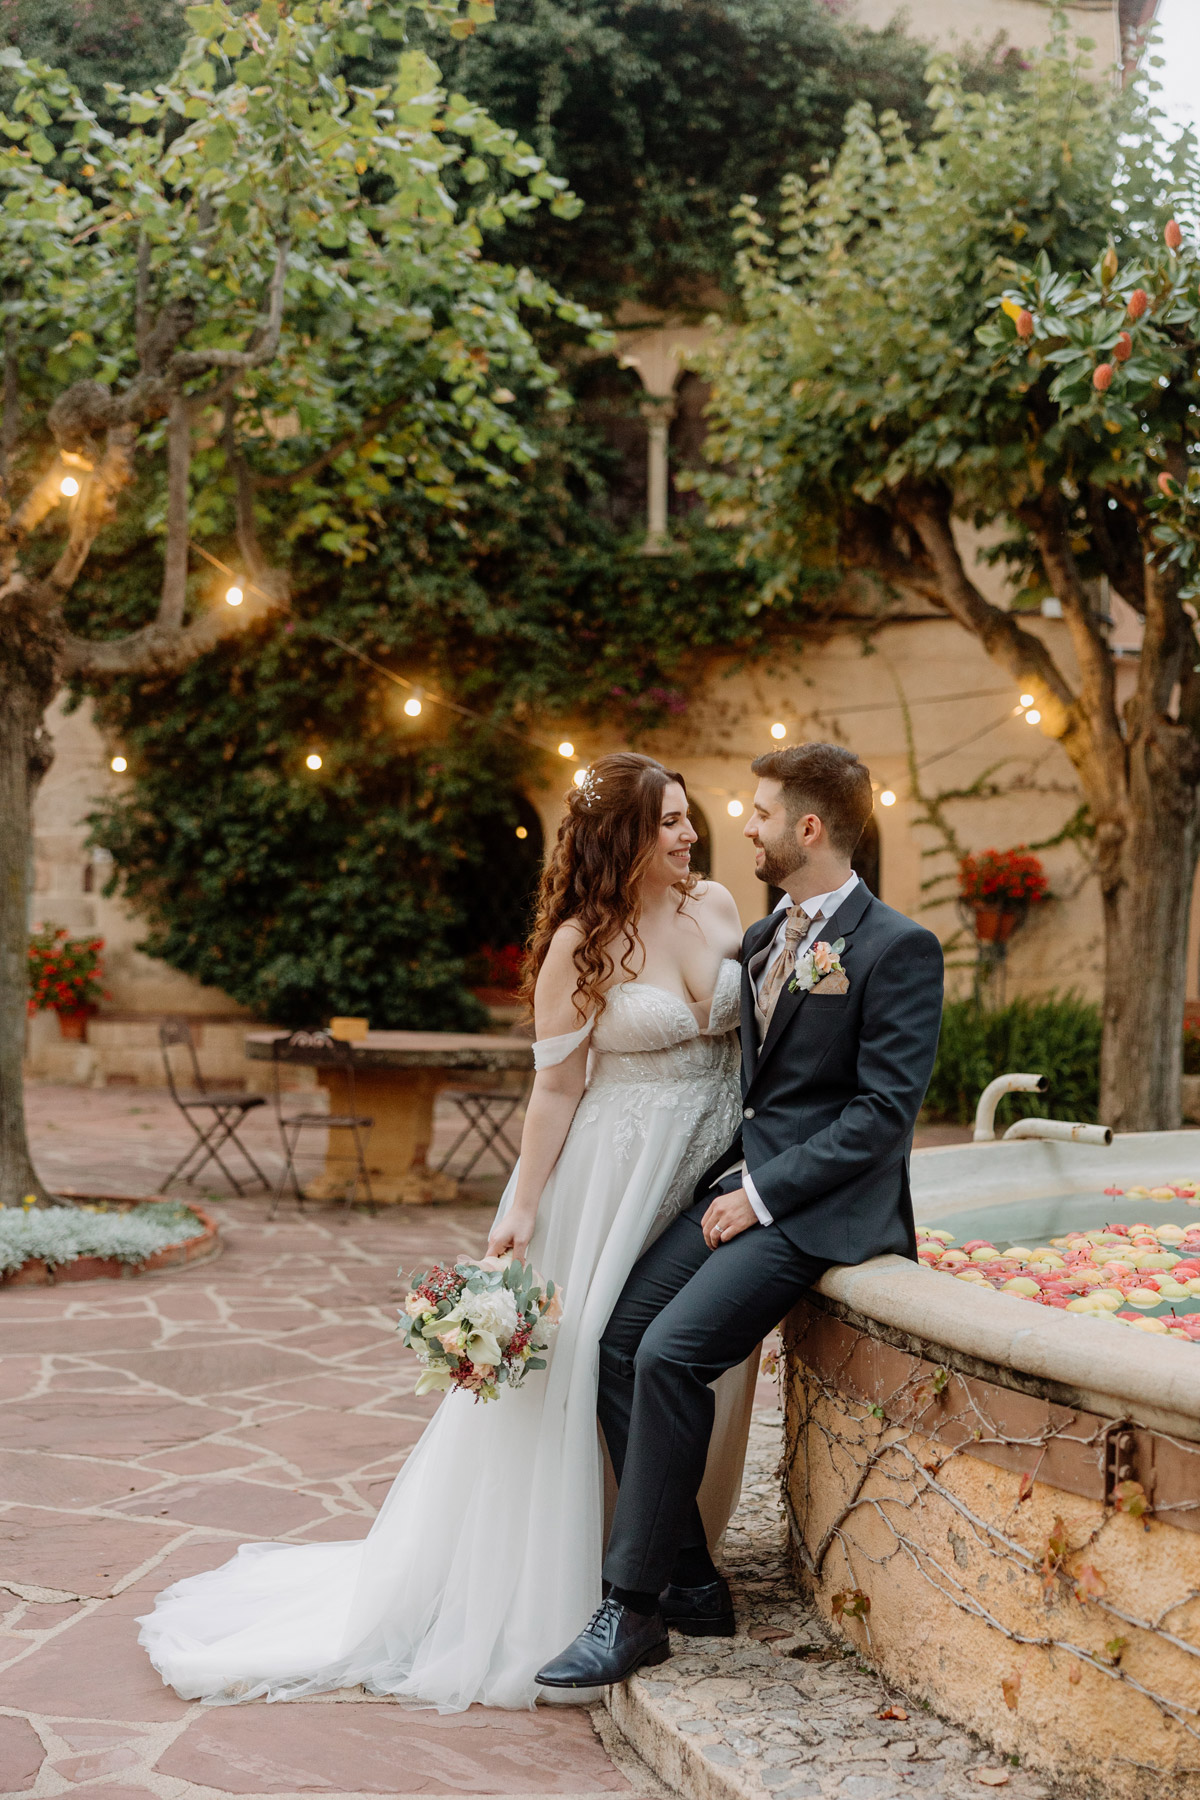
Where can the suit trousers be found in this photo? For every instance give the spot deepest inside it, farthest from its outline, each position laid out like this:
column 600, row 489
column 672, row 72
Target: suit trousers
column 687, row 1313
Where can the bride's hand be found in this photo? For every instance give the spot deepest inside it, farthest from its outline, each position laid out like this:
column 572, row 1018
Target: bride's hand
column 512, row 1232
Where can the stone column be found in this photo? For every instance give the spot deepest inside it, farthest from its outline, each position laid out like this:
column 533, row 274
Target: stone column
column 658, row 414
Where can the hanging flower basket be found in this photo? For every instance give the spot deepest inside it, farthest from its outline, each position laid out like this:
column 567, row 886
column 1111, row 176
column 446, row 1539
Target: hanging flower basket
column 996, row 888
column 73, row 1023
column 64, row 977
column 996, row 924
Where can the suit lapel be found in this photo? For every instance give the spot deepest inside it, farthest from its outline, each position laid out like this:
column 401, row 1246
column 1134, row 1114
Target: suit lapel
column 842, row 924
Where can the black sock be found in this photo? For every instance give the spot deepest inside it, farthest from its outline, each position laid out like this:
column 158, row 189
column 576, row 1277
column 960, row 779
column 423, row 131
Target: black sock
column 694, row 1568
column 634, row 1599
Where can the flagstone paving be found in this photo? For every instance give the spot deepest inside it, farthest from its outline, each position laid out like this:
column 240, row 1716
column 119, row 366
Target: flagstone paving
column 149, row 1427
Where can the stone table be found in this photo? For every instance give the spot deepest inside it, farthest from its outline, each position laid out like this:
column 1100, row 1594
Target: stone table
column 397, row 1075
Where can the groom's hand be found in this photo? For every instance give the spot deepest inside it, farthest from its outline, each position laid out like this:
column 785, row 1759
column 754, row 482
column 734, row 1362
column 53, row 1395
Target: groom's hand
column 728, row 1214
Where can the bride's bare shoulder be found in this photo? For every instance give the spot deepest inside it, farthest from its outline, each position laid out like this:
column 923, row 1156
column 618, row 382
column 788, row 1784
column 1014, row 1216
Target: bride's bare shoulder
column 715, row 902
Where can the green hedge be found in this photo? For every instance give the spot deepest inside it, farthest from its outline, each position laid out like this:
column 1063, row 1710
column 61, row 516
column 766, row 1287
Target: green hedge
column 1058, row 1037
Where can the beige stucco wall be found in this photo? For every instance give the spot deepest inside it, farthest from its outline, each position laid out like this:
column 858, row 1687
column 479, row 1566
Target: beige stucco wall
column 853, row 690
column 79, row 777
column 1022, row 22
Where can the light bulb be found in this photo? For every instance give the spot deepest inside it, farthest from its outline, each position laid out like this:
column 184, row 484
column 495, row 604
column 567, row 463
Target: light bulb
column 735, row 809
column 234, row 596
column 412, row 707
column 1033, row 716
column 1026, row 699
column 68, row 486
column 566, row 748
column 778, row 730
column 521, row 832
column 118, row 765
column 887, row 798
column 312, row 761
column 579, row 777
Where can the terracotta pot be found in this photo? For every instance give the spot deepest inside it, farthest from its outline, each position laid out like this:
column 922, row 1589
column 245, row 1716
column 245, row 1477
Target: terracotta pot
column 73, row 1025
column 996, row 924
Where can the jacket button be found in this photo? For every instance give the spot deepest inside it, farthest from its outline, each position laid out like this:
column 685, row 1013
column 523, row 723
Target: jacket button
column 747, row 1112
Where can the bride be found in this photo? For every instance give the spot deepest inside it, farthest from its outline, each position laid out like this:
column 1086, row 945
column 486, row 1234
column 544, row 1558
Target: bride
column 485, row 1556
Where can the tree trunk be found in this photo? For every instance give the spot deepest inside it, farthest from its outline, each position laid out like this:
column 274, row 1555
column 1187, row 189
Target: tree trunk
column 24, row 755
column 1147, row 866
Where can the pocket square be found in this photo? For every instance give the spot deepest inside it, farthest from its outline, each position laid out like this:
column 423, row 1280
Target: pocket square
column 835, row 983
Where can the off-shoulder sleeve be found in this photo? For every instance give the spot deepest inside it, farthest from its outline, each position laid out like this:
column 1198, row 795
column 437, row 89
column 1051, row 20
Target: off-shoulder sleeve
column 725, row 1009
column 549, row 1052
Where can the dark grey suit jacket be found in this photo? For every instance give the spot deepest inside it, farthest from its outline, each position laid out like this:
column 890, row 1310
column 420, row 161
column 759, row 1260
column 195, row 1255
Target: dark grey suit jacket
column 831, row 1099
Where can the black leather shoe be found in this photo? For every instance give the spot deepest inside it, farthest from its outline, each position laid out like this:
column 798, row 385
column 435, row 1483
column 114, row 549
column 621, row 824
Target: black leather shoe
column 612, row 1644
column 700, row 1611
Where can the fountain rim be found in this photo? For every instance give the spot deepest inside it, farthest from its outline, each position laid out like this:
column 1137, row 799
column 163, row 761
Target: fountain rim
column 1093, row 1364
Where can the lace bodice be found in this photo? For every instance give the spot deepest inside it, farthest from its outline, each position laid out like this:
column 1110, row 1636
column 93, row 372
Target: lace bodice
column 646, row 1033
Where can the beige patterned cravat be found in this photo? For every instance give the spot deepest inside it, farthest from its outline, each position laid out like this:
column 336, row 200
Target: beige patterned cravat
column 794, row 933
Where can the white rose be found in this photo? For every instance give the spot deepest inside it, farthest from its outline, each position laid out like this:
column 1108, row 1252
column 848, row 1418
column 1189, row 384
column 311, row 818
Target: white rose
column 494, row 1312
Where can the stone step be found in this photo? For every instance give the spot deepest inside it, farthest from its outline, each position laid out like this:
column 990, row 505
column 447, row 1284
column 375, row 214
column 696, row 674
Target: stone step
column 785, row 1710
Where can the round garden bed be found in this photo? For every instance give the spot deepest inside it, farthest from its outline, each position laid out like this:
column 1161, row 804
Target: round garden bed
column 102, row 1237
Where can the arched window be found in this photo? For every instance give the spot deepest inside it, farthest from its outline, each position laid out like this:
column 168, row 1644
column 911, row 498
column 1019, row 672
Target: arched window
column 501, row 901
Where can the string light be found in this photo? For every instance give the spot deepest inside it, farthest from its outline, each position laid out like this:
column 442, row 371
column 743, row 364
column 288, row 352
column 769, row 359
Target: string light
column 778, row 730
column 566, row 748
column 579, row 777
column 68, row 486
column 735, row 809
column 521, row 832
column 312, row 760
column 118, row 765
column 1026, row 699
column 234, row 596
column 887, row 798
column 1033, row 716
column 412, row 706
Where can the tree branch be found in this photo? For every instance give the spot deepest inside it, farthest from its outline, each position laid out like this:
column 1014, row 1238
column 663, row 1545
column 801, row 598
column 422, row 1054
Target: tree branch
column 141, row 301
column 282, row 482
column 1117, row 543
column 1167, row 633
column 11, row 400
column 173, row 597
column 1046, row 520
column 153, row 650
column 263, row 343
column 1025, row 656
column 96, row 505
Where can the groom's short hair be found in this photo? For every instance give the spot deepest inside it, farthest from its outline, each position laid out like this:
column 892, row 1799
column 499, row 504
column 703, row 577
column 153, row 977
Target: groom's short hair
column 825, row 779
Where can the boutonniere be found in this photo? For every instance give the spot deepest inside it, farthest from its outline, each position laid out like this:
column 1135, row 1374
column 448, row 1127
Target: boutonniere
column 818, row 962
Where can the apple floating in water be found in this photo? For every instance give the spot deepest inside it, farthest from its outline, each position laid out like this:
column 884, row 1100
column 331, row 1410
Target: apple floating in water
column 1118, row 1271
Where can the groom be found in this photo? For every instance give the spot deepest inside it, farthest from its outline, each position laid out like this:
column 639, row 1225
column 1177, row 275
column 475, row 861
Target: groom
column 841, row 1006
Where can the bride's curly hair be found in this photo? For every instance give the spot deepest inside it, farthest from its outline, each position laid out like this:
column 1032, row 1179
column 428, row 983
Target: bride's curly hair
column 606, row 840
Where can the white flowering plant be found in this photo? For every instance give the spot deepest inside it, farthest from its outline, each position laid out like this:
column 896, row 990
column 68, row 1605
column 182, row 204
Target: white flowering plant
column 479, row 1325
column 59, row 1234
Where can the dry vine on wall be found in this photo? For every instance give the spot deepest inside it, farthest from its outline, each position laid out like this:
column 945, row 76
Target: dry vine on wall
column 925, row 1510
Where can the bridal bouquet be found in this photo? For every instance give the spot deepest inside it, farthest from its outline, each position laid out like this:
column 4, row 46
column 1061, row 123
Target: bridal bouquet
column 479, row 1325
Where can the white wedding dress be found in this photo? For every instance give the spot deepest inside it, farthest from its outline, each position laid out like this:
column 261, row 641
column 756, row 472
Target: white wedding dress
column 485, row 1557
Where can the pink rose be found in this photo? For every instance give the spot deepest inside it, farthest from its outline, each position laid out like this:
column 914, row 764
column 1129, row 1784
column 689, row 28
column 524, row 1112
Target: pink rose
column 823, row 957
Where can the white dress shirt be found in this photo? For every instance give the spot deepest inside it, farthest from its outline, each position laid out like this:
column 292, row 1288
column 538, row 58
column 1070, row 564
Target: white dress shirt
column 818, row 907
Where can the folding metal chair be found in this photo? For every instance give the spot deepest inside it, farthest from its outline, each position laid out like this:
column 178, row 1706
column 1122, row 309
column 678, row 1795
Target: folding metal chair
column 292, row 1125
column 487, row 1112
column 228, row 1111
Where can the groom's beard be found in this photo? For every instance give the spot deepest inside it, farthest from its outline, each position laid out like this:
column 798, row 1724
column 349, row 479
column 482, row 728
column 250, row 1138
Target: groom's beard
column 779, row 862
